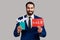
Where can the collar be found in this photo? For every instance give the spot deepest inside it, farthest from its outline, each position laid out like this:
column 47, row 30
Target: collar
column 32, row 16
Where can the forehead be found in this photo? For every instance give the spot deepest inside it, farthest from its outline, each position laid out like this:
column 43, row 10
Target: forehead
column 30, row 5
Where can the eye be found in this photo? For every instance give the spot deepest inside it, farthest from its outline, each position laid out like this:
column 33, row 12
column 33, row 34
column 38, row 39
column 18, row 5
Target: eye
column 28, row 8
column 32, row 7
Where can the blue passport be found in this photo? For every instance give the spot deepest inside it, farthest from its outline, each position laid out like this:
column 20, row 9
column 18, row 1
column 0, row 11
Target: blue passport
column 22, row 25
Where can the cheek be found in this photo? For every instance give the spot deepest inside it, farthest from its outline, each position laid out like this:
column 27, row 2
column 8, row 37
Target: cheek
column 27, row 9
column 32, row 9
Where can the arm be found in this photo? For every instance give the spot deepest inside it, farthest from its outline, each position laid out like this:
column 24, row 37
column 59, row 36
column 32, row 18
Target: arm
column 43, row 32
column 16, row 33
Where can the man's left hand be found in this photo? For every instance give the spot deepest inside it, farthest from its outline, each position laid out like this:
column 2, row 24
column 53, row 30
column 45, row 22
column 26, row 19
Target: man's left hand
column 39, row 29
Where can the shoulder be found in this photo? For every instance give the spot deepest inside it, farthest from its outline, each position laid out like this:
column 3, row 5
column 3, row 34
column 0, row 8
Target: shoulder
column 21, row 17
column 38, row 17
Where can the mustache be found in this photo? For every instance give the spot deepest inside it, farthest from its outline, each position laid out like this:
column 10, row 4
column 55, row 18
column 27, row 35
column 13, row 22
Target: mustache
column 30, row 11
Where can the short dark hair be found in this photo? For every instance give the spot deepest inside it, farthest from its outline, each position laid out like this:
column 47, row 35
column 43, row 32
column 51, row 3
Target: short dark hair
column 30, row 3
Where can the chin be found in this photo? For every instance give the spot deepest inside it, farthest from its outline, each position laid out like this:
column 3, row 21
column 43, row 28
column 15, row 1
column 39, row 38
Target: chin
column 30, row 13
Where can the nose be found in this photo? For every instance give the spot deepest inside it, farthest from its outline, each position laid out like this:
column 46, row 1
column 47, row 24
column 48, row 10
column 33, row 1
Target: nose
column 30, row 9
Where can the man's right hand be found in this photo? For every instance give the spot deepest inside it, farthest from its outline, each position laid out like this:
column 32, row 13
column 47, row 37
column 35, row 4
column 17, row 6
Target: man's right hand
column 19, row 29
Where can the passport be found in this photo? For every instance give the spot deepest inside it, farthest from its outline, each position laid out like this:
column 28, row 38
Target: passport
column 22, row 25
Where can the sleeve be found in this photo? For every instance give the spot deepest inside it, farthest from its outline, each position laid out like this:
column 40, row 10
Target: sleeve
column 43, row 33
column 15, row 31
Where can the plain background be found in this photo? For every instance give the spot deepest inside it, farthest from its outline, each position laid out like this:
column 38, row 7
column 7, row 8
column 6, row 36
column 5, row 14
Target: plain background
column 10, row 10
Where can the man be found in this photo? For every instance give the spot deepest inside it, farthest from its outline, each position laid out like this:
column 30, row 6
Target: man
column 30, row 33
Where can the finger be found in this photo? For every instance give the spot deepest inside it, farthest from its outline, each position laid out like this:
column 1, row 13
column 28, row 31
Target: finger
column 19, row 28
column 38, row 27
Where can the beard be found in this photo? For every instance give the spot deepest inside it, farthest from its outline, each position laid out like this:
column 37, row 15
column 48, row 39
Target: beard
column 30, row 12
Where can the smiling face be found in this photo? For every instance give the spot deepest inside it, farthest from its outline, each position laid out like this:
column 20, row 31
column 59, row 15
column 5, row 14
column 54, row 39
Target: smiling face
column 30, row 9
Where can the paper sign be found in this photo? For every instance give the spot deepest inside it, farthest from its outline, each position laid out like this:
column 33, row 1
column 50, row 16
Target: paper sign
column 37, row 22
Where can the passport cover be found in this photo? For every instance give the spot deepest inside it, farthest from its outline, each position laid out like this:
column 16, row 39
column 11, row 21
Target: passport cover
column 22, row 25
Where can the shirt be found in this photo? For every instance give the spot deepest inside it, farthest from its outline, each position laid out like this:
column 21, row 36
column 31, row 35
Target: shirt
column 32, row 17
column 27, row 19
